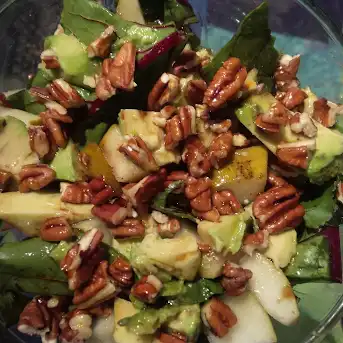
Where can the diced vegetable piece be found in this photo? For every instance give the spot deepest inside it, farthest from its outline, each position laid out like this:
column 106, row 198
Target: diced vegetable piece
column 23, row 116
column 130, row 10
column 102, row 330
column 211, row 265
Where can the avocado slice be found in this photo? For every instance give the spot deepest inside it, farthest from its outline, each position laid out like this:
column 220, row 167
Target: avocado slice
column 15, row 151
column 27, row 211
column 25, row 117
column 67, row 165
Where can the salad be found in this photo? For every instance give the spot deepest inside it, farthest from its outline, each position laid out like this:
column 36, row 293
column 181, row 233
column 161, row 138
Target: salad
column 165, row 193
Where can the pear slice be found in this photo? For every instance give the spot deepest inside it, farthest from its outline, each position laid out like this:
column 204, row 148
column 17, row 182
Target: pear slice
column 272, row 288
column 253, row 323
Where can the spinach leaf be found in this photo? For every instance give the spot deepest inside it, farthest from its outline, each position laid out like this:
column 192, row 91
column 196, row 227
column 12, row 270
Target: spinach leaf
column 16, row 99
column 320, row 210
column 160, row 203
column 172, row 288
column 253, row 44
column 180, row 13
column 85, row 94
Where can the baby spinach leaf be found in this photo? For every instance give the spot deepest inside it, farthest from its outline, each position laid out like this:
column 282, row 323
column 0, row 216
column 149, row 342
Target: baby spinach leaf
column 172, row 288
column 180, row 13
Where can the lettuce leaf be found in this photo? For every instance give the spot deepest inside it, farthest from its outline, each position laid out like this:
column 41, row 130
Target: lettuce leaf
column 178, row 12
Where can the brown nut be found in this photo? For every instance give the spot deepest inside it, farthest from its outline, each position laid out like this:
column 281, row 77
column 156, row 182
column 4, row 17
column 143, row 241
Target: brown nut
column 221, row 127
column 56, row 229
column 101, row 191
column 277, row 114
column 195, row 91
column 293, row 98
column 227, row 82
column 256, row 241
column 294, row 156
column 34, row 177
column 198, row 191
column 275, row 180
column 177, row 175
column 130, row 228
column 39, row 140
column 169, row 229
column 204, row 248
column 211, row 216
column 138, row 152
column 219, row 317
column 113, row 213
column 121, row 272
column 235, row 279
column 122, row 68
column 164, row 92
column 267, row 127
column 240, row 141
column 196, row 157
column 5, row 180
column 303, row 123
column 322, row 113
column 102, row 45
column 104, row 89
column 287, row 68
column 220, row 149
column 187, row 62
column 50, row 59
column 172, row 338
column 180, row 127
column 278, row 209
column 77, row 193
column 226, row 203
column 147, row 289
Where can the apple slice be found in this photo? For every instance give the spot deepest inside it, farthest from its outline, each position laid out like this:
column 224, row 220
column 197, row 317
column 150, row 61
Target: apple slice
column 253, row 323
column 272, row 288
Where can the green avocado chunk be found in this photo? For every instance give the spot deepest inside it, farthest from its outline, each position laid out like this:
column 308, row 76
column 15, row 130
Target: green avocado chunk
column 67, row 165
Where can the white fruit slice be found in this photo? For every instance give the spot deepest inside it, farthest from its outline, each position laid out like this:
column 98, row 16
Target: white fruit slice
column 253, row 323
column 272, row 288
column 102, row 330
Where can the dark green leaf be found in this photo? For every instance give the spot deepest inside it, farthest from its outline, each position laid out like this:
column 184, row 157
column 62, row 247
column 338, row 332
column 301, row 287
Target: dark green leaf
column 179, row 13
column 43, row 77
column 86, row 94
column 16, row 99
column 160, row 203
column 320, row 210
column 172, row 288
column 7, row 237
column 252, row 44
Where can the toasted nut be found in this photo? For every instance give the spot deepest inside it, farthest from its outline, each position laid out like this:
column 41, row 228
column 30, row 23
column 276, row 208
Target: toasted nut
column 219, row 317
column 164, row 92
column 39, row 141
column 130, row 228
column 104, row 89
column 240, row 141
column 50, row 59
column 138, row 152
column 323, row 114
column 276, row 181
column 102, row 45
column 177, row 175
column 204, row 248
column 226, row 203
column 77, row 193
column 277, row 114
column 221, row 127
column 226, row 83
column 102, row 192
column 267, row 127
column 121, row 272
column 195, row 91
column 212, row 215
column 187, row 62
column 235, row 279
column 147, row 289
column 169, row 229
column 286, row 72
column 293, row 98
column 220, row 149
column 56, row 229
column 278, row 209
column 198, row 191
column 256, row 241
column 172, row 338
column 113, row 213
column 303, row 123
column 34, row 177
column 5, row 180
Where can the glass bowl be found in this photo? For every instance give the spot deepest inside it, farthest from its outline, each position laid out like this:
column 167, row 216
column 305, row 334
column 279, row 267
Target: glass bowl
column 299, row 28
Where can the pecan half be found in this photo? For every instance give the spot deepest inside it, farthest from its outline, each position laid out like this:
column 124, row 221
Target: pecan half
column 130, row 228
column 139, row 153
column 104, row 89
column 303, row 123
column 121, row 272
column 50, row 60
column 235, row 279
column 293, row 98
column 5, row 180
column 101, row 191
column 227, row 82
column 34, row 177
column 164, row 92
column 221, row 127
column 172, row 338
column 278, row 209
column 77, row 193
column 195, row 91
column 322, row 113
column 226, row 203
column 53, row 120
column 267, row 127
column 39, row 141
column 198, row 191
column 196, row 157
column 113, row 213
column 56, row 229
column 286, row 72
column 220, row 149
column 102, row 45
column 275, row 180
column 277, row 114
column 169, row 229
column 180, row 127
column 256, row 241
column 147, row 289
column 219, row 317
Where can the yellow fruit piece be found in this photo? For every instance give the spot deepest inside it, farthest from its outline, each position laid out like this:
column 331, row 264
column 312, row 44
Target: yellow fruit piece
column 98, row 166
column 245, row 175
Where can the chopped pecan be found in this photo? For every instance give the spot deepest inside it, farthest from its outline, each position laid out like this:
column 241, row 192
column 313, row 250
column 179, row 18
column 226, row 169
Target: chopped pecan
column 139, row 153
column 303, row 123
column 113, row 213
column 221, row 127
column 121, row 272
column 276, row 181
column 65, row 94
column 293, row 98
column 102, row 45
column 278, row 209
column 196, row 157
column 226, row 203
column 104, row 89
column 187, row 62
column 277, row 114
column 227, row 82
column 286, row 72
column 256, row 241
column 34, row 177
column 101, row 191
column 205, row 56
column 5, row 180
column 130, row 228
column 204, row 248
column 267, row 127
column 323, row 114
column 219, row 317
column 195, row 91
column 53, row 120
column 212, row 215
column 172, row 338
column 177, row 175
column 198, row 191
column 39, row 140
column 102, row 310
column 147, row 289
column 220, row 149
column 76, row 193
column 240, row 141
column 56, row 229
column 235, row 279
column 164, row 92
column 50, row 60
column 169, row 229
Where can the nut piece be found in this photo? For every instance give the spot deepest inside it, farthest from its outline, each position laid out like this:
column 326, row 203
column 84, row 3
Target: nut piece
column 278, row 209
column 275, row 181
column 147, row 289
column 235, row 279
column 277, row 114
column 180, row 127
column 113, row 213
column 130, row 228
column 172, row 338
column 138, row 152
column 164, row 92
column 294, row 156
column 293, row 98
column 198, row 191
column 177, row 175
column 196, row 157
column 5, row 180
column 169, row 229
column 221, row 127
column 256, row 241
column 219, row 317
column 226, row 84
column 212, row 215
column 34, row 177
column 220, row 149
column 187, row 62
column 195, row 91
column 104, row 89
column 77, row 193
column 39, row 141
column 323, row 114
column 56, row 229
column 267, row 127
column 226, row 203
column 286, row 72
column 102, row 45
column 101, row 191
column 50, row 59
column 240, row 141
column 303, row 123
column 121, row 272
